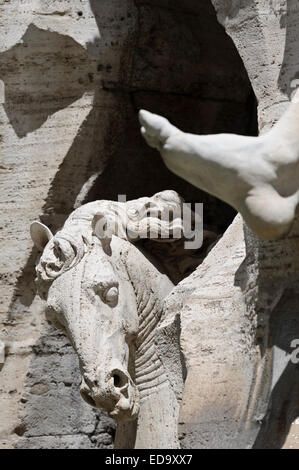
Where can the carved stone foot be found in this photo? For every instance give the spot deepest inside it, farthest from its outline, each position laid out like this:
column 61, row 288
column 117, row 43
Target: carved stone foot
column 258, row 176
column 156, row 129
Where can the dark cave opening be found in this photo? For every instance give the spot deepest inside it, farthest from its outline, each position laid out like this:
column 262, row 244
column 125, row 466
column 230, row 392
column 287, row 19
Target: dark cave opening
column 177, row 61
column 181, row 64
column 185, row 67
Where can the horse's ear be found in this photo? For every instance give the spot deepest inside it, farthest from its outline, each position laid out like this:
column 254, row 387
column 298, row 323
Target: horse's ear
column 102, row 230
column 100, row 226
column 40, row 235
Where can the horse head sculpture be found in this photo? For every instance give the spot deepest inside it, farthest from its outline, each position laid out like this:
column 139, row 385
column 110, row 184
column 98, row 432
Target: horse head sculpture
column 107, row 295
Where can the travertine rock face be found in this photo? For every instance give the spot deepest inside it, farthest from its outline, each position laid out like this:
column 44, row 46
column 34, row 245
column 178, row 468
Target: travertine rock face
column 73, row 75
column 274, row 297
column 54, row 415
column 217, row 341
column 239, row 309
column 266, row 36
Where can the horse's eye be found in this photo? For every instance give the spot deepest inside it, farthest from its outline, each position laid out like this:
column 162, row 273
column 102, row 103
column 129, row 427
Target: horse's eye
column 111, row 296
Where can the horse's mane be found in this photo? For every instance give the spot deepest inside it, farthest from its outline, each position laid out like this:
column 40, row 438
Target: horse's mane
column 155, row 218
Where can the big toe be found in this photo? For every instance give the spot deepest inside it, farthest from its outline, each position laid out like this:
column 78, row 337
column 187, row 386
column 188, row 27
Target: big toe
column 156, row 127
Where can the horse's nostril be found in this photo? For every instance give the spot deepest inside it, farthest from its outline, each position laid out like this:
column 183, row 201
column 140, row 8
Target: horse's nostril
column 120, row 379
column 116, row 380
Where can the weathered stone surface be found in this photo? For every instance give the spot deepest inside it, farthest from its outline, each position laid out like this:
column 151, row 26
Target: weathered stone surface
column 55, row 442
column 2, row 354
column 50, row 408
column 239, row 308
column 70, row 88
column 51, row 404
column 272, row 267
column 264, row 33
column 217, row 342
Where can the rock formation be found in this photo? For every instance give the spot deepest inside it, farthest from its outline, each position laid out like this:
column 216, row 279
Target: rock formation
column 73, row 76
column 241, row 378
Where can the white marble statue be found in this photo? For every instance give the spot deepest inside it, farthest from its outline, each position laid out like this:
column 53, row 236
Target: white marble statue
column 258, row 176
column 107, row 295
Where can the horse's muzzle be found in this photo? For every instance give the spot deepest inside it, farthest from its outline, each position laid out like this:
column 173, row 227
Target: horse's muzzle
column 118, row 395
